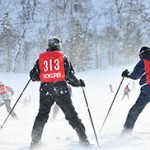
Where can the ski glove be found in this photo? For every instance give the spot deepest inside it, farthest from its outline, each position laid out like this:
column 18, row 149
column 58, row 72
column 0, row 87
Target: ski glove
column 82, row 84
column 35, row 79
column 33, row 76
column 125, row 73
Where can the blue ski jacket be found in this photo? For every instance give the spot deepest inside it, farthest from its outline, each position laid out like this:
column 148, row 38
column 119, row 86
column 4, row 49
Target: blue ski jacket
column 139, row 72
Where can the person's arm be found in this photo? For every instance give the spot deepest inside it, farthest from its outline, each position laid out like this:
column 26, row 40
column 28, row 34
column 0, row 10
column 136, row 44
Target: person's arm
column 70, row 75
column 35, row 72
column 10, row 90
column 137, row 71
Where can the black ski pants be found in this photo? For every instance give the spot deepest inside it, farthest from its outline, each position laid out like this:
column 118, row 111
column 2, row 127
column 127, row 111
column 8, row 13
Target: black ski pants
column 46, row 102
column 136, row 109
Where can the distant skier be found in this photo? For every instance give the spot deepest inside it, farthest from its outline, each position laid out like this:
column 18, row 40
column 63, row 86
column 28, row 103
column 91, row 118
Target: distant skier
column 5, row 98
column 111, row 88
column 26, row 101
column 133, row 86
column 56, row 107
column 53, row 70
column 142, row 71
column 126, row 92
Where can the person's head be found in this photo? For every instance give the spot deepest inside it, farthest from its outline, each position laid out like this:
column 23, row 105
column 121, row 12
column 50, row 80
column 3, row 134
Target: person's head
column 144, row 53
column 54, row 44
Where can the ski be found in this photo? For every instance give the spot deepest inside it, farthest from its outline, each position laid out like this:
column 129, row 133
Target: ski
column 75, row 144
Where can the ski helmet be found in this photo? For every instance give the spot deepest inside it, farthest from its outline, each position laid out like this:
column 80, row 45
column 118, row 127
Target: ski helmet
column 54, row 43
column 144, row 53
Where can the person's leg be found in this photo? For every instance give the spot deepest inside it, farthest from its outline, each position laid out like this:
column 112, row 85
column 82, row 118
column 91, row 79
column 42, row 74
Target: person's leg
column 2, row 101
column 123, row 97
column 43, row 114
column 135, row 111
column 65, row 103
column 1, row 104
column 8, row 108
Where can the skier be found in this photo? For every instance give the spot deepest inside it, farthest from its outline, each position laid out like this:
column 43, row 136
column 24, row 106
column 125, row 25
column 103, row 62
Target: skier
column 142, row 71
column 26, row 101
column 133, row 86
column 111, row 88
column 126, row 92
column 56, row 107
column 5, row 98
column 53, row 70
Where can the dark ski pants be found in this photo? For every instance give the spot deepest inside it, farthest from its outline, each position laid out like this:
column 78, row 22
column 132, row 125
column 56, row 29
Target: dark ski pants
column 46, row 102
column 136, row 109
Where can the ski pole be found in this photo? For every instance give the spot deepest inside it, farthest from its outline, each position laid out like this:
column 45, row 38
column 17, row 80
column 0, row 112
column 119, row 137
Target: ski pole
column 15, row 104
column 90, row 116
column 112, row 104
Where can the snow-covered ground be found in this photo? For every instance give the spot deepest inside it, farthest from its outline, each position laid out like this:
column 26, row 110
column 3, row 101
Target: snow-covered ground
column 58, row 134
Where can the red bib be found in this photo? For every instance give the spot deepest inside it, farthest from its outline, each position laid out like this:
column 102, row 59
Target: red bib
column 126, row 90
column 3, row 89
column 51, row 66
column 147, row 70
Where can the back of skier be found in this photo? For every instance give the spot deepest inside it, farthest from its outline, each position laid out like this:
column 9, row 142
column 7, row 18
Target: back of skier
column 142, row 71
column 53, row 70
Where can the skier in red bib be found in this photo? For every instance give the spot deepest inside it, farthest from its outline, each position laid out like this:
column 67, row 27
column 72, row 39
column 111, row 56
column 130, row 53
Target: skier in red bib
column 141, row 71
column 126, row 92
column 6, row 93
column 54, row 71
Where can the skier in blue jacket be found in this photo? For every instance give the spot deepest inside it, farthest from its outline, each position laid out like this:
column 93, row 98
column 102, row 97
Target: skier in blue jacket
column 141, row 71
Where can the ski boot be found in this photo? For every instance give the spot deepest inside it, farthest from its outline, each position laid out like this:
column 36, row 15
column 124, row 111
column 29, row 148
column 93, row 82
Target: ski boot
column 82, row 136
column 35, row 145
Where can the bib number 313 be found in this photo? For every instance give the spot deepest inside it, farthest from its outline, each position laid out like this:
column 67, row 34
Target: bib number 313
column 51, row 65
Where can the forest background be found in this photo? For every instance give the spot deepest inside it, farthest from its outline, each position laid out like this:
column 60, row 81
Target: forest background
column 95, row 33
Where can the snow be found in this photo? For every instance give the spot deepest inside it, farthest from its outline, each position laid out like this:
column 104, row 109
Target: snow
column 58, row 134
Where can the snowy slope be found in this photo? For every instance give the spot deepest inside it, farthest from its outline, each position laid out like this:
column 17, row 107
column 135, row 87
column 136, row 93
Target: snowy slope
column 58, row 135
